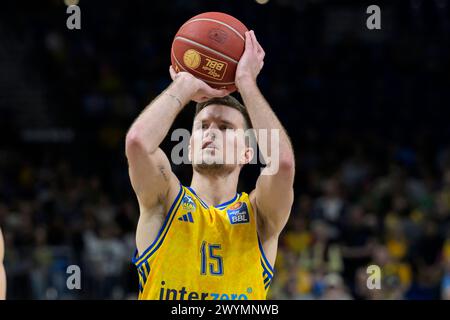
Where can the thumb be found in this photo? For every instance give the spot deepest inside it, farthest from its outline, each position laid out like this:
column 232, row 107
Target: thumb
column 216, row 92
column 173, row 73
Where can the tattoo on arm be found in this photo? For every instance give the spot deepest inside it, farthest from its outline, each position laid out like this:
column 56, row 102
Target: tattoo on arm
column 175, row 98
column 163, row 172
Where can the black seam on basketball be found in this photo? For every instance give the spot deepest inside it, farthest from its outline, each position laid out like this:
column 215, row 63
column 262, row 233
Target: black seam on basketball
column 206, row 48
column 216, row 21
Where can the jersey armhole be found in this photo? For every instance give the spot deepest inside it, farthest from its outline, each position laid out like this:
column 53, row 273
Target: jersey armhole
column 156, row 244
column 267, row 268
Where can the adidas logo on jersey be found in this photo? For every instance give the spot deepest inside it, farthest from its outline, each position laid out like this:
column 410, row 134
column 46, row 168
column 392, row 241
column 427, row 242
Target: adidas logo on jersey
column 186, row 217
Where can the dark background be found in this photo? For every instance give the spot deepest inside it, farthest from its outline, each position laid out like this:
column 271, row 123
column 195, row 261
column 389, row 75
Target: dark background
column 366, row 111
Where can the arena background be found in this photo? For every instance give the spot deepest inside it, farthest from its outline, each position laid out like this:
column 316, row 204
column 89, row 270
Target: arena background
column 367, row 112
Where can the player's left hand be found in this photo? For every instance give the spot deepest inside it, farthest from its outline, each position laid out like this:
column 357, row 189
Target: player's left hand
column 251, row 61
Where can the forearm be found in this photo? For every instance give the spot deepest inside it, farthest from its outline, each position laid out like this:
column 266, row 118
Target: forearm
column 263, row 117
column 155, row 121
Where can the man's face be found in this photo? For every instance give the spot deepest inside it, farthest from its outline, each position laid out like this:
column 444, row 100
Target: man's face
column 218, row 139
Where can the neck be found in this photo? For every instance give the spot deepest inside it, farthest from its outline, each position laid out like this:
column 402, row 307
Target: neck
column 215, row 189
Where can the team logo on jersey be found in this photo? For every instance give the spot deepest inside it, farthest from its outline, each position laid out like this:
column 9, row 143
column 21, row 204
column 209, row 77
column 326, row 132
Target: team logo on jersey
column 238, row 213
column 188, row 203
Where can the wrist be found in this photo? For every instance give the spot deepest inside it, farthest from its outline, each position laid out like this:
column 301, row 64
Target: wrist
column 244, row 81
column 183, row 89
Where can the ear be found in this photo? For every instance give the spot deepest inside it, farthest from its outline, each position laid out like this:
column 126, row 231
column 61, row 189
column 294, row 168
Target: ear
column 248, row 155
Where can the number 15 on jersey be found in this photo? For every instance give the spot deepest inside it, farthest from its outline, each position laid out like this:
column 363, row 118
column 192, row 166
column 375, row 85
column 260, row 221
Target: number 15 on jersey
column 211, row 262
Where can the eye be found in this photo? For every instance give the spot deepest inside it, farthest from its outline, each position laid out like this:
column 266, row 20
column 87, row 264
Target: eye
column 225, row 127
column 204, row 126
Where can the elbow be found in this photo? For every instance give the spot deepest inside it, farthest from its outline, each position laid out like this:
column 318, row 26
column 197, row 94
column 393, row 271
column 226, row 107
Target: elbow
column 133, row 142
column 287, row 165
column 282, row 167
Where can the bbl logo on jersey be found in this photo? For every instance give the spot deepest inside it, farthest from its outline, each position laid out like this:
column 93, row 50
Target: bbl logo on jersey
column 238, row 213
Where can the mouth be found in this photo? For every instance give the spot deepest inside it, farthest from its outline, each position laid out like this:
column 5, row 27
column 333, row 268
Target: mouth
column 208, row 145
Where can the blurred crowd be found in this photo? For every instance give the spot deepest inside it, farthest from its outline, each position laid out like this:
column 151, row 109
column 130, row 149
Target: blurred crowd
column 366, row 113
column 53, row 218
column 354, row 218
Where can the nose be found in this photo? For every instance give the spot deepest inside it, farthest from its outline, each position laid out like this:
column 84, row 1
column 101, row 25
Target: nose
column 210, row 131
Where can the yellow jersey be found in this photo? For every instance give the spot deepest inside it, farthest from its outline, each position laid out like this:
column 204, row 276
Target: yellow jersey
column 205, row 253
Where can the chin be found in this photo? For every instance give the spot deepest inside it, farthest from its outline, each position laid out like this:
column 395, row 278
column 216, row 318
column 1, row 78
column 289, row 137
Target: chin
column 209, row 157
column 208, row 160
column 213, row 169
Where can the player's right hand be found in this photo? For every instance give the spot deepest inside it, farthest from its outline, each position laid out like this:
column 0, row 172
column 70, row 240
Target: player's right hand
column 200, row 90
column 251, row 62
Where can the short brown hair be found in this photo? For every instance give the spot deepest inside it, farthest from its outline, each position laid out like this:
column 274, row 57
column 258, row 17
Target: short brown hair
column 228, row 101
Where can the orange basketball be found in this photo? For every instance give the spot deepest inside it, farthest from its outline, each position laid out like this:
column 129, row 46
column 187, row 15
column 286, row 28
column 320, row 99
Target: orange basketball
column 209, row 47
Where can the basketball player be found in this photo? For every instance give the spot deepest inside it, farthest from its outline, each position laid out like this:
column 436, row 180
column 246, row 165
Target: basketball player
column 2, row 269
column 206, row 241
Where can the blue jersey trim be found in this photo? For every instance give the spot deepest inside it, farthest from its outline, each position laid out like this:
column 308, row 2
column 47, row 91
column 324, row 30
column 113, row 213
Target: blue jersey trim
column 224, row 204
column 266, row 262
column 201, row 201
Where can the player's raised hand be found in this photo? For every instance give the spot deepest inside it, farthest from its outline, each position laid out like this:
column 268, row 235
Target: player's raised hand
column 251, row 61
column 199, row 90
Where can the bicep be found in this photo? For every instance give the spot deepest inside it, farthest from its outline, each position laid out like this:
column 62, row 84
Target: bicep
column 150, row 174
column 274, row 196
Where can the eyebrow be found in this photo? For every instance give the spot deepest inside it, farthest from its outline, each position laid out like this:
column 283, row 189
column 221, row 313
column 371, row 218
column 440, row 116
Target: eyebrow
column 227, row 122
column 221, row 121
